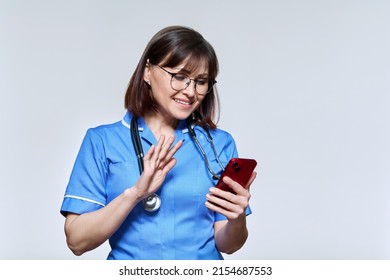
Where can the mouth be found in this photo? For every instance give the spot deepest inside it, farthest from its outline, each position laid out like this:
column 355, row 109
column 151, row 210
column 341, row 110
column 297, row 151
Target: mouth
column 183, row 102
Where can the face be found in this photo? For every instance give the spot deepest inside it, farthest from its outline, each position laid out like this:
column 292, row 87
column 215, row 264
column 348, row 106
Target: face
column 171, row 103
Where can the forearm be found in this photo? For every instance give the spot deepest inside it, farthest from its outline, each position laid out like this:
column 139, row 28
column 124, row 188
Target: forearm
column 231, row 236
column 88, row 231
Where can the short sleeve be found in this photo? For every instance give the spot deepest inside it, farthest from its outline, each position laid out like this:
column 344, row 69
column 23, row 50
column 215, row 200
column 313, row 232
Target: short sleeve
column 85, row 191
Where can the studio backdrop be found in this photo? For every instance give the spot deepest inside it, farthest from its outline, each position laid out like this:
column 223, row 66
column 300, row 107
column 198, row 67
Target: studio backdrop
column 304, row 88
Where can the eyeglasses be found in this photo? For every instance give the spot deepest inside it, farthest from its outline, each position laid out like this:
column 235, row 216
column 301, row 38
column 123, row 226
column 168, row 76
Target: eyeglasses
column 181, row 82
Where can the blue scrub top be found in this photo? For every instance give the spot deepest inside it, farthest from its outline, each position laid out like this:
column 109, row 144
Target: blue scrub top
column 183, row 227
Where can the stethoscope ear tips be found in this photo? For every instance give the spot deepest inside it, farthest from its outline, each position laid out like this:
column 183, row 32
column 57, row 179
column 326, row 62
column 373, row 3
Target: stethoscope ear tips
column 152, row 203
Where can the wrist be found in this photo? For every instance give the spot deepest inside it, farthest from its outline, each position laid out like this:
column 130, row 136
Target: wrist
column 133, row 194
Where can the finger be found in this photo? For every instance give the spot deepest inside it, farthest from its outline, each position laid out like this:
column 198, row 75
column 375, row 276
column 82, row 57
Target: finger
column 150, row 153
column 161, row 158
column 230, row 210
column 236, row 187
column 217, row 208
column 167, row 167
column 229, row 201
column 251, row 179
column 220, row 202
column 174, row 149
column 160, row 143
column 230, row 215
column 157, row 150
column 169, row 162
column 219, row 195
column 165, row 148
column 166, row 157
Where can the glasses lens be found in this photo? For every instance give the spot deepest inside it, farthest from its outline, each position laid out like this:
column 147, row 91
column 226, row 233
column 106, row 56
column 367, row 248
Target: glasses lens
column 202, row 86
column 180, row 82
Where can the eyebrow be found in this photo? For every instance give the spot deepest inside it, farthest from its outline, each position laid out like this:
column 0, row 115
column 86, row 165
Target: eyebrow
column 182, row 70
column 187, row 72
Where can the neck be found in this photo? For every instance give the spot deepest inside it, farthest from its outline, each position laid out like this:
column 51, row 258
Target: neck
column 160, row 125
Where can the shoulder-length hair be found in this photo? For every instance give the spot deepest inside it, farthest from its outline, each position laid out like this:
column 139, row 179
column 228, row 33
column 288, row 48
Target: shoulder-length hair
column 170, row 47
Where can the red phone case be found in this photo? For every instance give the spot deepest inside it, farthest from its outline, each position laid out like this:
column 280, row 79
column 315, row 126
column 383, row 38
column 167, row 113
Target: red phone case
column 239, row 170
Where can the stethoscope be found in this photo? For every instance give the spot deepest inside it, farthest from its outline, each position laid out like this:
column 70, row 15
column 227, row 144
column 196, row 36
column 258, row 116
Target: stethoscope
column 153, row 202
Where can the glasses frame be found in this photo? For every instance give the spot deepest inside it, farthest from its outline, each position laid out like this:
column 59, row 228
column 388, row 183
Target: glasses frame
column 210, row 82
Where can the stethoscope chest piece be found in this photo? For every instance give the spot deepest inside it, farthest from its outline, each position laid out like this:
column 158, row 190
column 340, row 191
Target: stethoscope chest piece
column 152, row 203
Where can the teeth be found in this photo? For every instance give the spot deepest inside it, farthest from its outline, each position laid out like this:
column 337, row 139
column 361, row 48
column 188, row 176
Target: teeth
column 182, row 102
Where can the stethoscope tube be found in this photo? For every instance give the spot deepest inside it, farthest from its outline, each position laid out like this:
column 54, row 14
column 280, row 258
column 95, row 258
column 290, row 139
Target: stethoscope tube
column 137, row 143
column 193, row 135
column 153, row 202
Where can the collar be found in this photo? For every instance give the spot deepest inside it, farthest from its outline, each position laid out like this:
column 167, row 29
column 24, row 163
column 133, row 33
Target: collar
column 182, row 125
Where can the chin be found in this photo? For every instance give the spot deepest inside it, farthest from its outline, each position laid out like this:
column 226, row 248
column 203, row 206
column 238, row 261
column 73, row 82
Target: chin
column 182, row 116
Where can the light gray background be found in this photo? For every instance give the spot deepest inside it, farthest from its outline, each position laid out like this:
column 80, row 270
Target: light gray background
column 304, row 87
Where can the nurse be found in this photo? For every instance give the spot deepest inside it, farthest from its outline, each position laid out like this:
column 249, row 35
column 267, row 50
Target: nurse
column 172, row 86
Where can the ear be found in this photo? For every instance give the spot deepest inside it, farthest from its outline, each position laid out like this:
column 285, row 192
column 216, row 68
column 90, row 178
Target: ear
column 147, row 72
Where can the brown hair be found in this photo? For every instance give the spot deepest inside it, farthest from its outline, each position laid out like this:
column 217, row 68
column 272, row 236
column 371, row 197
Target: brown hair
column 170, row 47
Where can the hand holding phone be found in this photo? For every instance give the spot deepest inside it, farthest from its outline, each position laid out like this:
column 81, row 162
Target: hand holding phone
column 239, row 170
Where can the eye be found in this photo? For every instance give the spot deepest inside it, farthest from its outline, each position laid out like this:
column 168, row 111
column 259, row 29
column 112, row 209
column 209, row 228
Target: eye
column 180, row 77
column 202, row 82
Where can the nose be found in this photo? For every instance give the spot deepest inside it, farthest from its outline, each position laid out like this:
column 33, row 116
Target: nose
column 190, row 89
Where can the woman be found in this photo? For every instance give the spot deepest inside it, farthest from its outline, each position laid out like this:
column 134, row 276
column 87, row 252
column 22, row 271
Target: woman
column 172, row 87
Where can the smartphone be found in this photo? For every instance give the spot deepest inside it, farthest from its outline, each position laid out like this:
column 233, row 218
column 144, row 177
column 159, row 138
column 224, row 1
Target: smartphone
column 239, row 170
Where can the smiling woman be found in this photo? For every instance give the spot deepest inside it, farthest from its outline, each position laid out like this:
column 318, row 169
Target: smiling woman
column 151, row 211
column 186, row 98
column 180, row 49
